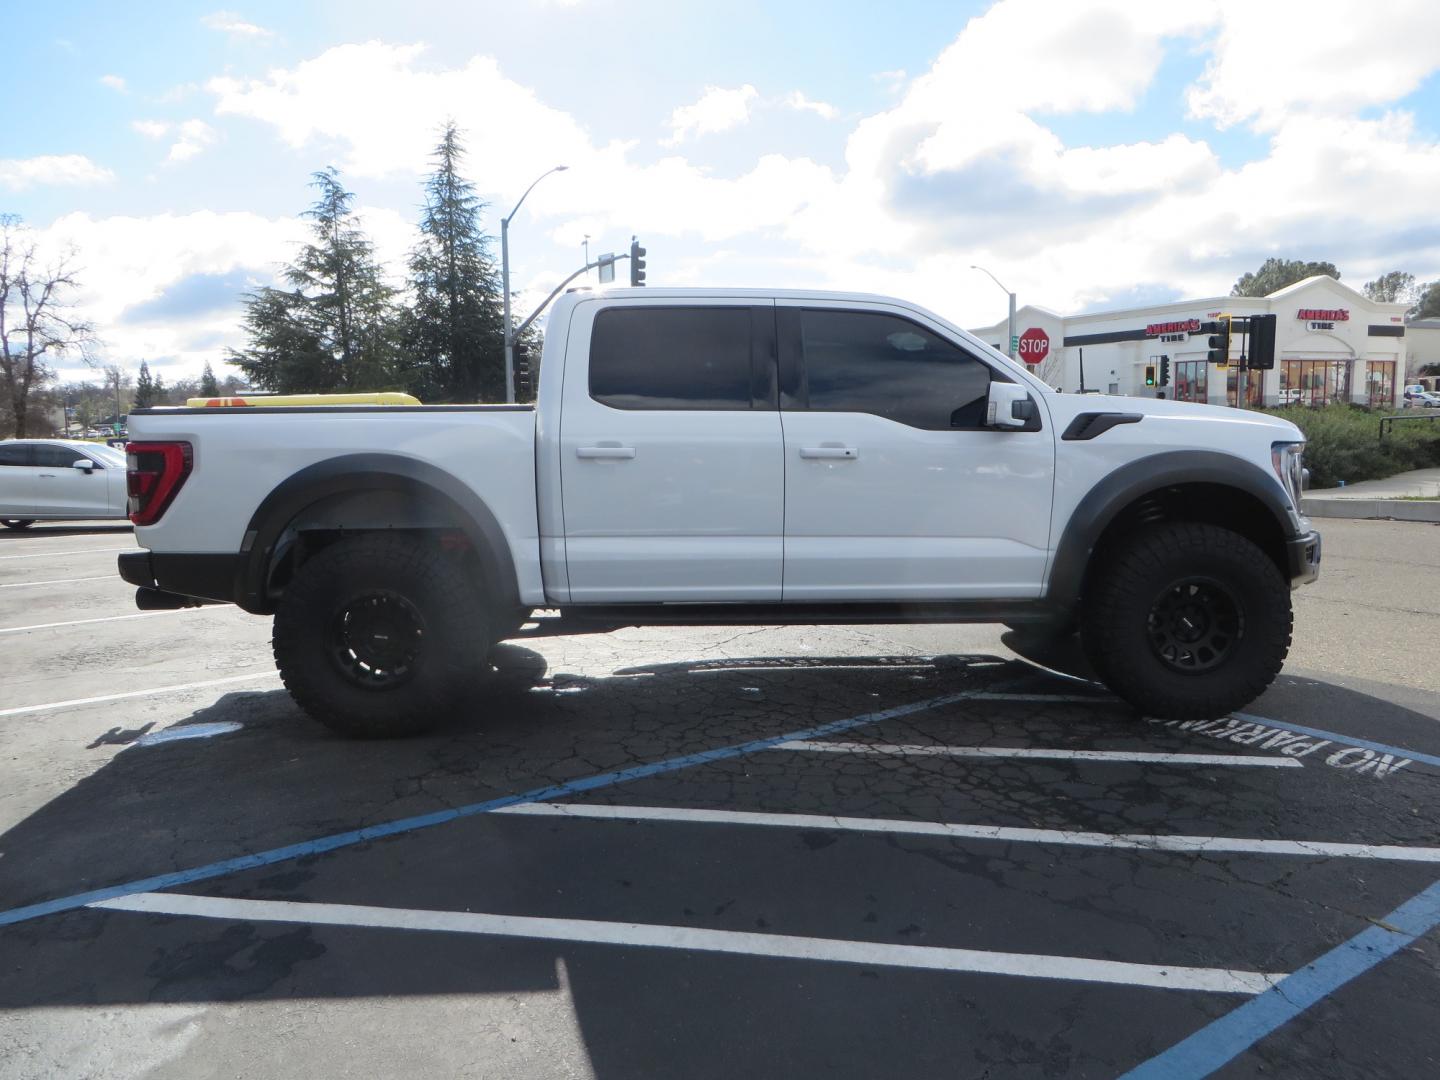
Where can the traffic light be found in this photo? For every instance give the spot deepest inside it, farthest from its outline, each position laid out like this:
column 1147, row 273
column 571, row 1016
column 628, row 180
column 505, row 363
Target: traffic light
column 524, row 383
column 637, row 263
column 1219, row 353
column 1164, row 371
column 1149, row 374
column 1262, row 342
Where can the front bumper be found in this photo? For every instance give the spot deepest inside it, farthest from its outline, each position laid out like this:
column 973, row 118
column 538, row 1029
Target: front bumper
column 1303, row 555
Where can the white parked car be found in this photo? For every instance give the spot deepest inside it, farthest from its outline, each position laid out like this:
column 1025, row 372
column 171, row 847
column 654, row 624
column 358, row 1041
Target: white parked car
column 59, row 480
column 1422, row 399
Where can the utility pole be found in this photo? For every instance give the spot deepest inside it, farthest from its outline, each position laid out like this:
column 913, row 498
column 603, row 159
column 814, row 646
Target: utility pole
column 505, row 284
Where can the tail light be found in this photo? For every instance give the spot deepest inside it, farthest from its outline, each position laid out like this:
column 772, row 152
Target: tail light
column 154, row 474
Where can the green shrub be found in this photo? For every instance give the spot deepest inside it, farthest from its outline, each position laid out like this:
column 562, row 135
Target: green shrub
column 1343, row 443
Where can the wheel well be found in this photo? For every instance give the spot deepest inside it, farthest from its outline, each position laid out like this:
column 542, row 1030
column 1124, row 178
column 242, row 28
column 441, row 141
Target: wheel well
column 1210, row 504
column 413, row 511
column 401, row 506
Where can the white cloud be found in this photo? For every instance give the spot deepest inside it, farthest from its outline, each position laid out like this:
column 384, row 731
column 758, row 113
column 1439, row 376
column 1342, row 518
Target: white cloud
column 114, row 82
column 228, row 22
column 194, row 136
column 1333, row 57
column 719, row 109
column 800, row 103
column 128, row 261
column 72, row 170
column 385, row 110
column 151, row 129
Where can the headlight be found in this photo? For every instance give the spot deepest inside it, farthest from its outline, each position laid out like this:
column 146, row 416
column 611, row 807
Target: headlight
column 1287, row 461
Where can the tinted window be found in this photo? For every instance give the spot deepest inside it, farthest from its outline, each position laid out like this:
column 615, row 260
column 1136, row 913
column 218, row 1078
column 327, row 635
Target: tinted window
column 671, row 358
column 14, row 453
column 56, row 457
column 857, row 361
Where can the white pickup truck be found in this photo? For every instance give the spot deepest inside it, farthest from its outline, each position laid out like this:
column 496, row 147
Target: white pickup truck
column 721, row 456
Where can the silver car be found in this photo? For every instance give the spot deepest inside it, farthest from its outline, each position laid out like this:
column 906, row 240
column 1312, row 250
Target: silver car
column 57, row 479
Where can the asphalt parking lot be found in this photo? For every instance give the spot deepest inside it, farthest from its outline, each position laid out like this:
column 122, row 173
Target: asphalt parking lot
column 873, row 851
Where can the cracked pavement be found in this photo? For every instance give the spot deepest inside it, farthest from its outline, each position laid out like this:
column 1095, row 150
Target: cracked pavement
column 85, row 803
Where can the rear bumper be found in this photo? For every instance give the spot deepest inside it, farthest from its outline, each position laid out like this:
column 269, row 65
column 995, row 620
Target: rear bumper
column 1303, row 554
column 202, row 576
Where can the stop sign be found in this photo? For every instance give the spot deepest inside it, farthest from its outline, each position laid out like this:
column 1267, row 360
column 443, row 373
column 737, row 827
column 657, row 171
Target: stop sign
column 1034, row 345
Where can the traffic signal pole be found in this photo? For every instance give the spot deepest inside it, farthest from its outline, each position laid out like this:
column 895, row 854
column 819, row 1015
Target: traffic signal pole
column 560, row 288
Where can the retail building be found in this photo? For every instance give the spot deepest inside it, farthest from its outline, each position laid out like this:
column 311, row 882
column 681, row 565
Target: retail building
column 1332, row 344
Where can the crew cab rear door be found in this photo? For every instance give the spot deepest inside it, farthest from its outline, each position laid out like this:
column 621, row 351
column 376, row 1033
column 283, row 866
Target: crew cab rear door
column 671, row 454
column 896, row 488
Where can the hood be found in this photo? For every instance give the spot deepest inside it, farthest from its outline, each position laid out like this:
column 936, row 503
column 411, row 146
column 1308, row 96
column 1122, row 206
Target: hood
column 1065, row 407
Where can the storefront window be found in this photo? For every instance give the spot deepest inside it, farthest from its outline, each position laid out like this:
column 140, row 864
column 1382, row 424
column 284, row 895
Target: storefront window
column 1254, row 387
column 1191, row 380
column 1314, row 382
column 1380, row 384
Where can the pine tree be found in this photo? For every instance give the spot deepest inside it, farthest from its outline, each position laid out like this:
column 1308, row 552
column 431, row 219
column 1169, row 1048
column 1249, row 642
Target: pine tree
column 147, row 393
column 335, row 329
column 208, row 386
column 454, row 333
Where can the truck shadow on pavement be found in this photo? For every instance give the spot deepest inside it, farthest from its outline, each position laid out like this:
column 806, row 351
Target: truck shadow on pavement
column 281, row 779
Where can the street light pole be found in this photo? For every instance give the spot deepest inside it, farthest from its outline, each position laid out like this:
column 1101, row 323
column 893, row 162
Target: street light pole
column 505, row 284
column 1010, row 344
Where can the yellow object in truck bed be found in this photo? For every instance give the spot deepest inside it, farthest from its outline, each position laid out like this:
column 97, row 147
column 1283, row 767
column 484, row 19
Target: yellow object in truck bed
column 388, row 398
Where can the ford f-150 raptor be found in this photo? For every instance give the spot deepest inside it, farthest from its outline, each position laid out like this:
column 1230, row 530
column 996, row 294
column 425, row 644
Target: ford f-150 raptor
column 722, row 456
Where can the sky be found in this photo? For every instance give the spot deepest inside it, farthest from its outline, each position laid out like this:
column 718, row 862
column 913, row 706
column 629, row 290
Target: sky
column 1089, row 153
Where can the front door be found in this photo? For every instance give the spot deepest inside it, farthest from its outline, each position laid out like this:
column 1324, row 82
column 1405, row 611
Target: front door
column 894, row 487
column 672, row 477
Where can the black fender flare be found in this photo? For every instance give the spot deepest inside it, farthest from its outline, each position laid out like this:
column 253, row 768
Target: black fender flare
column 1139, row 478
column 357, row 473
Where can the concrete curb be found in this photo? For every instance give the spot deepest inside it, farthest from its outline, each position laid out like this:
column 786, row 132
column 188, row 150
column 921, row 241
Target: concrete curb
column 1397, row 509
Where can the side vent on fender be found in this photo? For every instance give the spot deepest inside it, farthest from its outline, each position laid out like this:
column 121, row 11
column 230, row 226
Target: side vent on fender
column 1089, row 425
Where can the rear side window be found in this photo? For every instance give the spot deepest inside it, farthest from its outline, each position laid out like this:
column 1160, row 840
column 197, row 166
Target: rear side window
column 671, row 358
column 56, row 457
column 863, row 361
column 14, row 454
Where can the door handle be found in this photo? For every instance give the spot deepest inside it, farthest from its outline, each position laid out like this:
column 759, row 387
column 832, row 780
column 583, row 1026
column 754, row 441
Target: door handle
column 843, row 453
column 605, row 453
column 47, row 476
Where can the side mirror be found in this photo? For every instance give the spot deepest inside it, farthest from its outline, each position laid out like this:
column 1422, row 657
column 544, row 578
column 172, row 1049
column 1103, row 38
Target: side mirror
column 84, row 465
column 1008, row 406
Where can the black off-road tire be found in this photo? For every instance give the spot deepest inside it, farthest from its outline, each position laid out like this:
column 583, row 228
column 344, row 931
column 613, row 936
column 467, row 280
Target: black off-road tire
column 17, row 523
column 381, row 636
column 1186, row 621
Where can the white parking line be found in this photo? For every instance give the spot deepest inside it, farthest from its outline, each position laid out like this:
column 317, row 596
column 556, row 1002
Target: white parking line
column 86, row 622
column 1150, row 757
column 73, row 551
column 735, row 942
column 76, row 702
column 1091, row 699
column 61, row 581
column 1192, row 845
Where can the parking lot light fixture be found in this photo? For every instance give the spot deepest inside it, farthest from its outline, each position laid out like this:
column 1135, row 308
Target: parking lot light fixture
column 1010, row 346
column 505, row 283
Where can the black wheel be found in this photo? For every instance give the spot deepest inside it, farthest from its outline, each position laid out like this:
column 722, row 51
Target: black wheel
column 1187, row 621
column 381, row 636
column 17, row 523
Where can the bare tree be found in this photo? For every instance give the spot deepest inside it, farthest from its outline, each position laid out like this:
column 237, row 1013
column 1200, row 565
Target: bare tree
column 37, row 321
